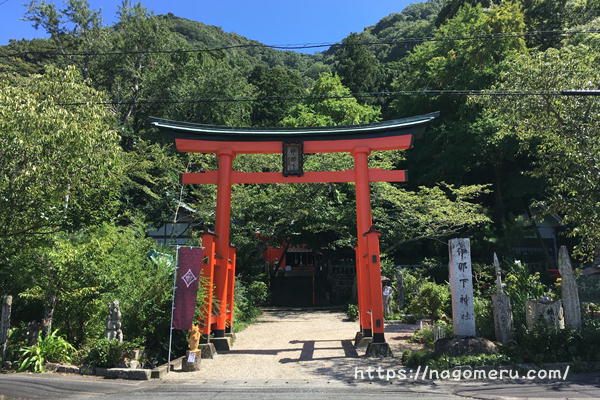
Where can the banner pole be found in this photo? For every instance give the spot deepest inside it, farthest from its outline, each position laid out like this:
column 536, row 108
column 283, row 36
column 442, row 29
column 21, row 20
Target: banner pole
column 172, row 307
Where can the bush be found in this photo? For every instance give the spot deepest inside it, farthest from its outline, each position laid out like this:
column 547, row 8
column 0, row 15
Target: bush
column 522, row 285
column 258, row 292
column 107, row 353
column 246, row 309
column 546, row 344
column 479, row 360
column 427, row 358
column 17, row 339
column 352, row 312
column 425, row 335
column 484, row 318
column 51, row 348
column 431, row 300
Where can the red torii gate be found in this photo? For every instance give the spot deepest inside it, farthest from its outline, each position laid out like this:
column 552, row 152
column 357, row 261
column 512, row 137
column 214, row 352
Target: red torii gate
column 358, row 140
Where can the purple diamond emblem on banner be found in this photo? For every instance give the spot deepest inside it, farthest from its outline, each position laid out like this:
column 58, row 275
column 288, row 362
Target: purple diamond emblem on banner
column 188, row 278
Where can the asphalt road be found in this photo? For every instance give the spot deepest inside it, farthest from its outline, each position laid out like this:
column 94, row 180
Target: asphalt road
column 59, row 386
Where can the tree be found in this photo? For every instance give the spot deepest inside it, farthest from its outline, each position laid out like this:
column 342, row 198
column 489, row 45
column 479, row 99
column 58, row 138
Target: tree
column 274, row 82
column 460, row 148
column 331, row 104
column 561, row 133
column 61, row 165
column 358, row 68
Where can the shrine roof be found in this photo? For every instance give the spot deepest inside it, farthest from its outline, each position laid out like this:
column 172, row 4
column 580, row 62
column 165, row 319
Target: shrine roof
column 397, row 127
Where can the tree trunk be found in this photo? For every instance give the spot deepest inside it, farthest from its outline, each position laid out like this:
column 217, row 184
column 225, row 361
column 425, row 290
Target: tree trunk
column 48, row 315
column 5, row 323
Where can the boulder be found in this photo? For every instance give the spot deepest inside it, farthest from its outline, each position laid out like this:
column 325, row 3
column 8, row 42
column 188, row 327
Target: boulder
column 464, row 346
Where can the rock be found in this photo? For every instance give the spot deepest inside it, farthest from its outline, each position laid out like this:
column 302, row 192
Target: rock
column 191, row 361
column 127, row 373
column 207, row 350
column 568, row 287
column 378, row 350
column 132, row 364
column 63, row 368
column 544, row 311
column 464, row 346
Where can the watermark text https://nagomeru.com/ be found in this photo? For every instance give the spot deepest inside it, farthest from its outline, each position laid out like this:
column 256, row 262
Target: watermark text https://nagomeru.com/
column 457, row 374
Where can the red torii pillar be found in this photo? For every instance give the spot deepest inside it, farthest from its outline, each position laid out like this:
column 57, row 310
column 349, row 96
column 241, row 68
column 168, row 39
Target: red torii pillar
column 360, row 141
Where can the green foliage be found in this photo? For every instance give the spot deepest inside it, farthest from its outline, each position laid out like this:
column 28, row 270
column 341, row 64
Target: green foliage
column 445, row 362
column 108, row 353
column 425, row 334
column 522, row 285
column 273, row 82
column 330, row 111
column 357, row 67
column 427, row 358
column 246, row 304
column 559, row 133
column 51, row 348
column 484, row 317
column 352, row 312
column 61, row 167
column 427, row 213
column 431, row 300
column 257, row 293
column 546, row 344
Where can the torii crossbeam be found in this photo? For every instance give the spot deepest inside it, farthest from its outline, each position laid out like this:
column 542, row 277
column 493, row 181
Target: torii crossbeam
column 358, row 140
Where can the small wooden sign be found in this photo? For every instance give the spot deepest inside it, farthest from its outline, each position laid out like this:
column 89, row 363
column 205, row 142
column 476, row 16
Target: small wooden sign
column 293, row 159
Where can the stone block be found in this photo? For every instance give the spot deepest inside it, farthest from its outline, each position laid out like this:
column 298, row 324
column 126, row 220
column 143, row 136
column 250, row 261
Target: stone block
column 62, row 368
column 378, row 350
column 127, row 373
column 191, row 361
column 464, row 346
column 207, row 350
column 221, row 343
column 360, row 340
column 544, row 311
column 230, row 335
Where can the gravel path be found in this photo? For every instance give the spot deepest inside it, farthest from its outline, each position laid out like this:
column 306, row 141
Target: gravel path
column 296, row 345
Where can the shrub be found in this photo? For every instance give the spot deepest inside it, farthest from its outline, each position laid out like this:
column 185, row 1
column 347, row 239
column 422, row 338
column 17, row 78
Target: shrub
column 431, row 299
column 352, row 312
column 425, row 335
column 547, row 344
column 17, row 339
column 427, row 358
column 246, row 309
column 258, row 292
column 478, row 360
column 484, row 318
column 522, row 285
column 51, row 348
column 107, row 353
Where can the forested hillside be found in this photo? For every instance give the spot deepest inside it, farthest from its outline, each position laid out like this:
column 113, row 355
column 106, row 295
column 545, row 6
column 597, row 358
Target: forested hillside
column 83, row 174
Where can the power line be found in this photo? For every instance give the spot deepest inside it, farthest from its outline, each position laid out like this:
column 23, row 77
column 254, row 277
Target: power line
column 425, row 92
column 52, row 52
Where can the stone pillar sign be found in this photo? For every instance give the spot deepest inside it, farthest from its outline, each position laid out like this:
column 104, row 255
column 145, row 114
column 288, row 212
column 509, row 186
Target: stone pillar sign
column 461, row 287
column 400, row 288
column 568, row 288
column 503, row 321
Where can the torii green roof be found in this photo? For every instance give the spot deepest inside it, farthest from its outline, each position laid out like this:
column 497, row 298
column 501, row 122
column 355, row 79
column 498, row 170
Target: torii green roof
column 189, row 130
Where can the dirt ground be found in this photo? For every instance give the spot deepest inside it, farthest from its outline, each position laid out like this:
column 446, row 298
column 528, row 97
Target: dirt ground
column 287, row 344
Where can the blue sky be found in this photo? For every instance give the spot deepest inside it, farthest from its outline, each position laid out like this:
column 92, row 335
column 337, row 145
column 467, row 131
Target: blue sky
column 268, row 21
